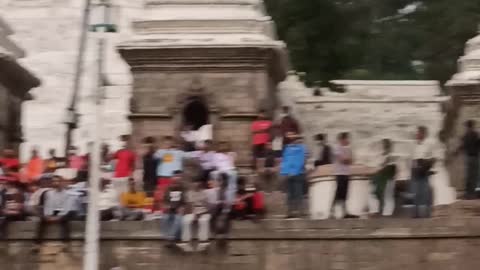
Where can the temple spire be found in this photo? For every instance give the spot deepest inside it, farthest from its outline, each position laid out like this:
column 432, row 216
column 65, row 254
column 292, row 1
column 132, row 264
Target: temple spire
column 245, row 17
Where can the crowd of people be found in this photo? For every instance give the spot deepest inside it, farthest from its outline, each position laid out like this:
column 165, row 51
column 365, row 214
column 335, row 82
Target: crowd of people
column 190, row 183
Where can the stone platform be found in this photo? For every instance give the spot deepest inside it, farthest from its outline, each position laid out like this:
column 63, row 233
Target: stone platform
column 438, row 243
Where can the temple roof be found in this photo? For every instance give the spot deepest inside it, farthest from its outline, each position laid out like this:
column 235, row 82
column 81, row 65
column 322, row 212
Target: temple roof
column 8, row 46
column 14, row 76
column 167, row 24
column 468, row 64
column 205, row 17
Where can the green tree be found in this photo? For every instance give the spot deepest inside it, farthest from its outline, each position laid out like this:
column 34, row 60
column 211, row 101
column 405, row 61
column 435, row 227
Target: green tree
column 375, row 39
column 442, row 28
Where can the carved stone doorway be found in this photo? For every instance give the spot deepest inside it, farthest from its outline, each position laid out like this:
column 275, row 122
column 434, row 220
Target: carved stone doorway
column 195, row 113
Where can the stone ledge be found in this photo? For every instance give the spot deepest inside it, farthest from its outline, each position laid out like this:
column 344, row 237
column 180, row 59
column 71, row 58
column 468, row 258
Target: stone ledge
column 387, row 82
column 370, row 100
column 278, row 229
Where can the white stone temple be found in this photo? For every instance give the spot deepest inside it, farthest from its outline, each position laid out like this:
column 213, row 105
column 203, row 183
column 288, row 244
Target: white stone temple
column 372, row 111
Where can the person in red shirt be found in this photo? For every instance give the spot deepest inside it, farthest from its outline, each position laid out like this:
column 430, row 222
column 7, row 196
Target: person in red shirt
column 260, row 135
column 125, row 160
column 10, row 166
column 9, row 160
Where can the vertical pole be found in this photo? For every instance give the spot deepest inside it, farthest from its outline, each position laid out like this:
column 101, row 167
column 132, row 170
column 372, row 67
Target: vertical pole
column 91, row 248
column 72, row 108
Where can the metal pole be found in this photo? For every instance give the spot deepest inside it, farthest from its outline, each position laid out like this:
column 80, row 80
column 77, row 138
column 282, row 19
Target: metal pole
column 72, row 109
column 91, row 248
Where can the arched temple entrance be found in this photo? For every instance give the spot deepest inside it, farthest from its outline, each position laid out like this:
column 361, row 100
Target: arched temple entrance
column 195, row 113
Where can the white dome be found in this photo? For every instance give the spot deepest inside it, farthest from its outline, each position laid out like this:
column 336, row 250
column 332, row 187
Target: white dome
column 472, row 44
column 469, row 64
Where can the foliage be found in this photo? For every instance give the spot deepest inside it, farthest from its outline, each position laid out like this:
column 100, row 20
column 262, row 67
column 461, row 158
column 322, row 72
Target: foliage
column 375, row 39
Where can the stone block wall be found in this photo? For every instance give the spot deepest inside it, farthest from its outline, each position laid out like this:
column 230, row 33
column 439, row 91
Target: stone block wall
column 370, row 121
column 237, row 133
column 233, row 92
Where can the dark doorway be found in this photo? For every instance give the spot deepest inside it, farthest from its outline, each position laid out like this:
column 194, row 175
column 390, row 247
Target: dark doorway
column 195, row 113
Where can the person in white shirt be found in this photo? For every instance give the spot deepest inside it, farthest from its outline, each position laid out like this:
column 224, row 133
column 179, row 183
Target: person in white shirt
column 204, row 133
column 108, row 202
column 56, row 210
column 197, row 202
column 189, row 137
column 277, row 141
column 423, row 159
column 205, row 157
column 343, row 160
column 224, row 163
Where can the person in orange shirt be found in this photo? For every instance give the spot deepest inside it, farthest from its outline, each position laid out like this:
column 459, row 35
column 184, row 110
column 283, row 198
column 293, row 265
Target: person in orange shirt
column 132, row 202
column 34, row 168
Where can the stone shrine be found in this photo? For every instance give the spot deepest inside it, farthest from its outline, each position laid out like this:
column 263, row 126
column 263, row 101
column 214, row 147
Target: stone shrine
column 464, row 88
column 200, row 62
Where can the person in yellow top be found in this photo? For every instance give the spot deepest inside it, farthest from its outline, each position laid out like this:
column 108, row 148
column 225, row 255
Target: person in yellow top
column 132, row 202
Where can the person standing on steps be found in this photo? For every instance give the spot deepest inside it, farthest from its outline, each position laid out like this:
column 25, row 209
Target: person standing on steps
column 125, row 159
column 324, row 151
column 383, row 182
column 343, row 160
column 261, row 129
column 267, row 169
column 288, row 123
column 150, row 164
column 277, row 141
column 470, row 147
column 293, row 168
column 423, row 159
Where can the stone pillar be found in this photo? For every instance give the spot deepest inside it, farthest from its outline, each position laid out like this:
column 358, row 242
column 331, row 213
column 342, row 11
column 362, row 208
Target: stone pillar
column 464, row 88
column 464, row 105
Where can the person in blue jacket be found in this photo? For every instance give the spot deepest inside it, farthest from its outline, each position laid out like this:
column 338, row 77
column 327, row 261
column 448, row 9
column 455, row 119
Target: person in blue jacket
column 293, row 168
